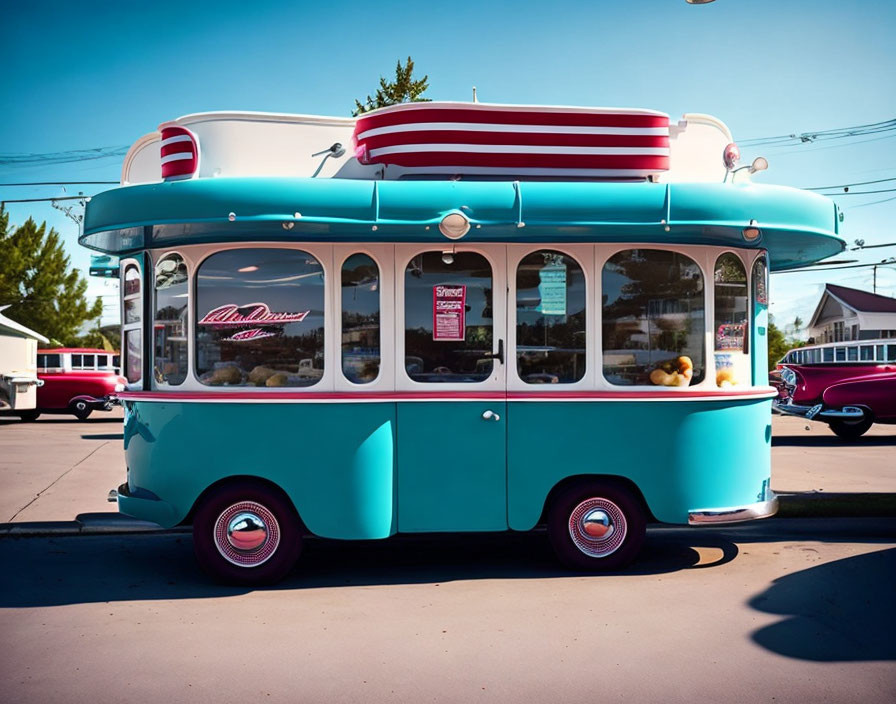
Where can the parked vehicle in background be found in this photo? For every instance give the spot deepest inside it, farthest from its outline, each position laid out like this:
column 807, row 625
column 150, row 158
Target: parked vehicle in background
column 77, row 381
column 853, row 352
column 850, row 398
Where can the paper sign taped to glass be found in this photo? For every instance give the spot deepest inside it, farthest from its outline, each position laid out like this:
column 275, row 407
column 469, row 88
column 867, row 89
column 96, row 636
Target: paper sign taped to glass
column 448, row 313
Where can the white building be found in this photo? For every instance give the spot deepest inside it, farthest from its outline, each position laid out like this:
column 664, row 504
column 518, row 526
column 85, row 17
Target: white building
column 18, row 365
column 846, row 314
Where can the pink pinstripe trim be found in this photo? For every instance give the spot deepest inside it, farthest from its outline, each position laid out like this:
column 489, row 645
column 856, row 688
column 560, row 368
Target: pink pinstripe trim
column 386, row 396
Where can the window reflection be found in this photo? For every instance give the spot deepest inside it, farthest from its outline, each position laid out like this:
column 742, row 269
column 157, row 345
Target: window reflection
column 730, row 329
column 653, row 319
column 448, row 317
column 170, row 325
column 550, row 313
column 260, row 318
column 132, row 338
column 360, row 319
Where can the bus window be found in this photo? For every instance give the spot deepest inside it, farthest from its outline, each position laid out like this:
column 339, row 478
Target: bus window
column 867, row 353
column 260, row 318
column 653, row 315
column 891, row 353
column 170, row 325
column 448, row 317
column 360, row 319
column 550, row 319
column 828, row 354
column 852, row 354
column 840, row 354
column 880, row 354
column 731, row 338
column 132, row 338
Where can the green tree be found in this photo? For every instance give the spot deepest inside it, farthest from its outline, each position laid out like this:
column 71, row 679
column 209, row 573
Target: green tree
column 404, row 89
column 36, row 278
column 777, row 344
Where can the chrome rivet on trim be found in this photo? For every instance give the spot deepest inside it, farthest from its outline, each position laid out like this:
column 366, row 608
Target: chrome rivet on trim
column 297, row 215
column 288, row 225
column 521, row 224
column 231, row 217
column 373, row 228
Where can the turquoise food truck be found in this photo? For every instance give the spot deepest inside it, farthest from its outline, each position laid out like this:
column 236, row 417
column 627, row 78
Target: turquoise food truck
column 446, row 317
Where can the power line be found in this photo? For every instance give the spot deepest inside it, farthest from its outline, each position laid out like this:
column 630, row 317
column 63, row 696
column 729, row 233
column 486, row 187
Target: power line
column 824, row 188
column 874, row 202
column 39, row 200
column 63, row 157
column 860, row 193
column 822, row 135
column 883, row 262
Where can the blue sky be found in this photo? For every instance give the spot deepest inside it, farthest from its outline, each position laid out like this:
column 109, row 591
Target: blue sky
column 94, row 74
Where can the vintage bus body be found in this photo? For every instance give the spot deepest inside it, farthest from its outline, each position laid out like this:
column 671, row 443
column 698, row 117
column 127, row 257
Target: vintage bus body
column 429, row 337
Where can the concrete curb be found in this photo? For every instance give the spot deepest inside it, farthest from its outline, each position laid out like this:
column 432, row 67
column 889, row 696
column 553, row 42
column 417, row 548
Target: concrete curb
column 85, row 524
column 797, row 505
column 819, row 504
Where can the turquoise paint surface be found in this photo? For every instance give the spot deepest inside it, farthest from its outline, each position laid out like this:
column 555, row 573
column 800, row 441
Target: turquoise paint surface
column 335, row 461
column 357, row 471
column 797, row 227
column 682, row 455
column 452, row 467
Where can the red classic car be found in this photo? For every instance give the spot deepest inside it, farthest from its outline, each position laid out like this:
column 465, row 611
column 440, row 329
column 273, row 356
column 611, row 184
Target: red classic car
column 849, row 398
column 76, row 380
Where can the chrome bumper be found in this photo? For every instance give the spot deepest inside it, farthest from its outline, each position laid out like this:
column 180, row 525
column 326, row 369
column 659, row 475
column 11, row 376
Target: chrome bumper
column 818, row 411
column 734, row 514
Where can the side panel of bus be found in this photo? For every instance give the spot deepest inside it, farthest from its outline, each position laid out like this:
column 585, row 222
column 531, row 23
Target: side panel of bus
column 335, row 461
column 681, row 455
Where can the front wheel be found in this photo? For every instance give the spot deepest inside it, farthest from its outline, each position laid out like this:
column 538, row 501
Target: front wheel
column 246, row 533
column 853, row 429
column 81, row 409
column 596, row 526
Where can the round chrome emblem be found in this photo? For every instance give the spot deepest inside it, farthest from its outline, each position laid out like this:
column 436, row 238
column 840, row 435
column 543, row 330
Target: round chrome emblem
column 597, row 526
column 247, row 534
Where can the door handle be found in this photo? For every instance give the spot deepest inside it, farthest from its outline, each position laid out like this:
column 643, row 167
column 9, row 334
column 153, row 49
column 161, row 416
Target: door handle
column 499, row 355
column 490, row 415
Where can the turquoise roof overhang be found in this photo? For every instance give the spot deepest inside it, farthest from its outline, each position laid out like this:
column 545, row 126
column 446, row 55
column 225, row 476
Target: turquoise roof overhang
column 798, row 227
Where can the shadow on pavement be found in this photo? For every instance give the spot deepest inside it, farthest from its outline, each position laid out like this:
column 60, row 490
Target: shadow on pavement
column 839, row 611
column 52, row 571
column 832, row 441
column 106, row 436
column 88, row 569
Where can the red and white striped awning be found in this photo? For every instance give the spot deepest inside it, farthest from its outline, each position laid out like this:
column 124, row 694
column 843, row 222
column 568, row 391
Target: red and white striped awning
column 478, row 138
column 179, row 152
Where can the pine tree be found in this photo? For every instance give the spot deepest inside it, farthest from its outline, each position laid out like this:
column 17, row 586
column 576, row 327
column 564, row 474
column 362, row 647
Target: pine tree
column 45, row 293
column 404, row 89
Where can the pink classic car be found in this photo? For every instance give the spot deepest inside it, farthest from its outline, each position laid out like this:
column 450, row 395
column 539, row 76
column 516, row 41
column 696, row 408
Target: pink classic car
column 850, row 398
column 77, row 381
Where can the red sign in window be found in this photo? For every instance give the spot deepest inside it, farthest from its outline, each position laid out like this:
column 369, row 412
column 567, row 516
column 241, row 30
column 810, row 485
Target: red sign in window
column 448, row 313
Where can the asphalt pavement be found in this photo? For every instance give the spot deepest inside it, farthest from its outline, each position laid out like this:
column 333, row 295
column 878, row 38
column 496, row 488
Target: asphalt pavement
column 56, row 473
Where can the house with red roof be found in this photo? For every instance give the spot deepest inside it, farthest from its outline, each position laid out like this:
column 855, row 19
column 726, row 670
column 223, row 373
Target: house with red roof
column 845, row 313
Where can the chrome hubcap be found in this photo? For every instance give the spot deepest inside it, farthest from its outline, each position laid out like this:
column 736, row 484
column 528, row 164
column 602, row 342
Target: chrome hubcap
column 597, row 527
column 247, row 534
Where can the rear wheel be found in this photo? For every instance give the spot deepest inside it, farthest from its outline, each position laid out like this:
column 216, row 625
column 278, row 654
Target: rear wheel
column 246, row 533
column 596, row 526
column 81, row 410
column 852, row 429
